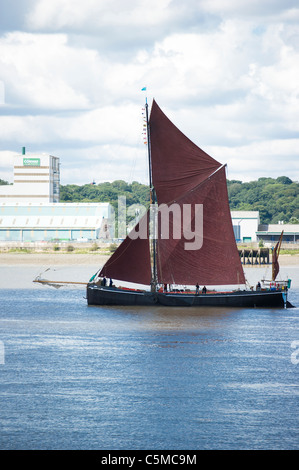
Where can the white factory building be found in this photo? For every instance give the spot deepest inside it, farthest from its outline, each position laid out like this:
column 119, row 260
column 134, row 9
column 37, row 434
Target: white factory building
column 245, row 224
column 247, row 228
column 30, row 208
column 55, row 222
column 36, row 179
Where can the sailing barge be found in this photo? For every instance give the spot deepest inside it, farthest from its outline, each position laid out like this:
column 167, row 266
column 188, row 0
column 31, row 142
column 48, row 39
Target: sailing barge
column 182, row 175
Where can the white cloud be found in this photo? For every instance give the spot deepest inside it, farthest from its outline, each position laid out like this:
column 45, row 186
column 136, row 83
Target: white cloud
column 2, row 92
column 104, row 125
column 105, row 163
column 73, row 79
column 76, row 14
column 43, row 71
column 267, row 158
column 6, row 165
column 252, row 8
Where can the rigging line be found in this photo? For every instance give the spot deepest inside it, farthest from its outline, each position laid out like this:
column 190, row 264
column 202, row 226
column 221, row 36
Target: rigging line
column 152, row 196
column 149, row 148
column 136, row 152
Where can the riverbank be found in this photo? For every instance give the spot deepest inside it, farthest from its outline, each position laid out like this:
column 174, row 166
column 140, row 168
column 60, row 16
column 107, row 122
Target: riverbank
column 61, row 259
column 66, row 259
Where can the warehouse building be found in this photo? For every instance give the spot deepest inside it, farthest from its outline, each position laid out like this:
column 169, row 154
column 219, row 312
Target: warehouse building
column 56, row 222
column 270, row 233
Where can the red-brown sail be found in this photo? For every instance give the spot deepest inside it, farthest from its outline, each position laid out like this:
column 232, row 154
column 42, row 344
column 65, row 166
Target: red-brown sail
column 217, row 262
column 178, row 165
column 131, row 261
column 275, row 254
column 183, row 174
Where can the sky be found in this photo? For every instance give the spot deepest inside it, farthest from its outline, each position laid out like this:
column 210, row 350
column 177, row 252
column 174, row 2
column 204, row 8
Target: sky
column 226, row 72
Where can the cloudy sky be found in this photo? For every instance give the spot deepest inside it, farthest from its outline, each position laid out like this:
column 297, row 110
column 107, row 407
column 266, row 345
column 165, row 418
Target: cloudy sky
column 226, row 72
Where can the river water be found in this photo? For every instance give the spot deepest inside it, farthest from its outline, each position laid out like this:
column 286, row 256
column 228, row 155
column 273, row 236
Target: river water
column 80, row 377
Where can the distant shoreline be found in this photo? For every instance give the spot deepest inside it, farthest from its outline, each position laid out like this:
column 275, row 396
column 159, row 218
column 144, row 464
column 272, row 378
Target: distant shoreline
column 64, row 259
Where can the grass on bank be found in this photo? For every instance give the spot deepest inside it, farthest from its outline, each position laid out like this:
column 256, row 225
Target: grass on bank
column 285, row 251
column 94, row 249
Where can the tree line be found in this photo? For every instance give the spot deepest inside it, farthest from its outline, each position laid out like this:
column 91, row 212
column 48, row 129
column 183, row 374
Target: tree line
column 275, row 199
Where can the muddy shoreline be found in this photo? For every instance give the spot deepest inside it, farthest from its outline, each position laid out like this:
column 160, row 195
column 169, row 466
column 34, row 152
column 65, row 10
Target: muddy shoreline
column 13, row 259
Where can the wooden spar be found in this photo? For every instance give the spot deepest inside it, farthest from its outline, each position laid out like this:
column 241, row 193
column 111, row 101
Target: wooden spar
column 59, row 282
column 152, row 202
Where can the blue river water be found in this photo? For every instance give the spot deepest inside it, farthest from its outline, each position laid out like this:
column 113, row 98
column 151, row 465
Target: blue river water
column 74, row 376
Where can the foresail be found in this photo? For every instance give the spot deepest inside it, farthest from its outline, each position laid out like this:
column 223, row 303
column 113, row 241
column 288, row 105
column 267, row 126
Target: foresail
column 131, row 261
column 217, row 261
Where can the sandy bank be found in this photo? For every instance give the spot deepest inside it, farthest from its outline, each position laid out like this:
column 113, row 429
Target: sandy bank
column 289, row 260
column 42, row 259
column 65, row 259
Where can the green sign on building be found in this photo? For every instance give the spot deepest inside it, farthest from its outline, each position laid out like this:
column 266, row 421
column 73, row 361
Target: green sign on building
column 31, row 161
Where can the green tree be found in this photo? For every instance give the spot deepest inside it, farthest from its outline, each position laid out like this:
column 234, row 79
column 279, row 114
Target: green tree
column 275, row 199
column 284, row 180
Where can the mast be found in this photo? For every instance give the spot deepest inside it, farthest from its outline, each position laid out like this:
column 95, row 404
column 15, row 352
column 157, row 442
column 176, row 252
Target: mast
column 152, row 201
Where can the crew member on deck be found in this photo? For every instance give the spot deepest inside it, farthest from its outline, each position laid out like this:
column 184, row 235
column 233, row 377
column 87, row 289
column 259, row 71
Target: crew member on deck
column 197, row 289
column 204, row 290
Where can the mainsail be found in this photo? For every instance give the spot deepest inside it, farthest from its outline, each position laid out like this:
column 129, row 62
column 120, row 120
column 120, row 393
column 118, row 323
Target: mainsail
column 217, row 262
column 178, row 165
column 184, row 175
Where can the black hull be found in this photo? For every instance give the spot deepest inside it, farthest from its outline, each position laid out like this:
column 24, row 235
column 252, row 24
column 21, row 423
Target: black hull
column 112, row 296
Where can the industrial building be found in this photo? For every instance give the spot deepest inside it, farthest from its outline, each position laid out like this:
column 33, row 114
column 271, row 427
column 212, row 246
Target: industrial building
column 245, row 225
column 270, row 233
column 247, row 228
column 56, row 222
column 21, row 222
column 30, row 210
column 36, row 179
